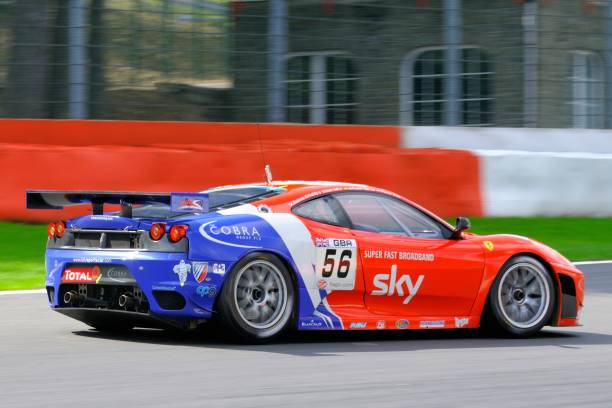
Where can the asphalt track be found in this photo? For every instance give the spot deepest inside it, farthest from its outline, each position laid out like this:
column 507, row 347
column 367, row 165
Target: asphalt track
column 49, row 360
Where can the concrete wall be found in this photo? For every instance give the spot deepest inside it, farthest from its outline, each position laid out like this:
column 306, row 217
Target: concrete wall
column 548, row 184
column 523, row 139
column 528, row 172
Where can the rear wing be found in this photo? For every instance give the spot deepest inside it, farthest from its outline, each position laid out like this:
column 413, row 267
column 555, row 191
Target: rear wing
column 57, row 200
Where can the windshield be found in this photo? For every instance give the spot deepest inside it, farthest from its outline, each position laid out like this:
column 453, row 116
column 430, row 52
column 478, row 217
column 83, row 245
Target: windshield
column 219, row 198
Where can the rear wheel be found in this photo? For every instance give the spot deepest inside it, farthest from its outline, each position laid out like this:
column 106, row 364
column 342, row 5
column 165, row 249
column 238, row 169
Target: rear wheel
column 522, row 297
column 257, row 299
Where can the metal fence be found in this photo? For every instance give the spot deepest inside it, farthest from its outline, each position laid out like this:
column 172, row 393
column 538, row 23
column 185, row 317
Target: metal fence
column 411, row 62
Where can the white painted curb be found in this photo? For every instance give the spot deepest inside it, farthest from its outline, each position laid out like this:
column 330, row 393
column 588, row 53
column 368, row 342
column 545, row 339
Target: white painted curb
column 22, row 292
column 592, row 263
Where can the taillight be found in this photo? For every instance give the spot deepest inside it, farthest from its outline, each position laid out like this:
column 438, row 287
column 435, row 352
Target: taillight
column 177, row 232
column 60, row 228
column 51, row 230
column 157, row 231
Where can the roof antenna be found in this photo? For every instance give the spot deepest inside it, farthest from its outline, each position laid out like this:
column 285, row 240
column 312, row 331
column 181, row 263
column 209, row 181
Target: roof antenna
column 267, row 169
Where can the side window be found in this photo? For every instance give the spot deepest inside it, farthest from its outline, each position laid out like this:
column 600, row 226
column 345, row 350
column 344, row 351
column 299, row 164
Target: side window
column 417, row 223
column 378, row 213
column 367, row 213
column 319, row 209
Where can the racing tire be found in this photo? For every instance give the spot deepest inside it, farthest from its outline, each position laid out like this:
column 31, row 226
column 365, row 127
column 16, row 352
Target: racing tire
column 257, row 300
column 522, row 298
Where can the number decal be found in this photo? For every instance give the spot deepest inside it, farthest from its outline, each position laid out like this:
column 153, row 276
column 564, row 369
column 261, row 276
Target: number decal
column 329, row 262
column 345, row 263
column 336, row 263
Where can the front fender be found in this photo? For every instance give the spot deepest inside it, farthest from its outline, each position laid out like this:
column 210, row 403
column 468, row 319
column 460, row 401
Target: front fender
column 500, row 248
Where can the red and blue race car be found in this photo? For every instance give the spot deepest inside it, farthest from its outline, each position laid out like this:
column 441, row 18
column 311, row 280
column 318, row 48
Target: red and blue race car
column 262, row 258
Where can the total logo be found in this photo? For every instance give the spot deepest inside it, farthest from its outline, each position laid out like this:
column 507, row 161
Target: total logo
column 390, row 284
column 82, row 275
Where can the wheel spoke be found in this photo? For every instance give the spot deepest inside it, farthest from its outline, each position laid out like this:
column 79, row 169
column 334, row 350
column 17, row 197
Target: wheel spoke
column 529, row 306
column 260, row 294
column 515, row 277
column 521, row 294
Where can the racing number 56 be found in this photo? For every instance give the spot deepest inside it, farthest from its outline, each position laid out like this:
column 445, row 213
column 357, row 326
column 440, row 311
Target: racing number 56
column 341, row 265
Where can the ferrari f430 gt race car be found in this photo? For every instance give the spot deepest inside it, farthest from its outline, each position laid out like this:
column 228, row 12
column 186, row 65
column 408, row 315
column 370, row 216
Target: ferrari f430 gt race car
column 263, row 258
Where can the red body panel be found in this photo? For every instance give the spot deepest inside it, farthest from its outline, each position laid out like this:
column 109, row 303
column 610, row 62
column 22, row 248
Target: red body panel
column 408, row 283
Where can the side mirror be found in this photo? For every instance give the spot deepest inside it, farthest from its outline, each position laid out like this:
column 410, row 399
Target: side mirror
column 462, row 224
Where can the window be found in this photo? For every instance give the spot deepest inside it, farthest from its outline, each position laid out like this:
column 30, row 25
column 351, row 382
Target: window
column 320, row 209
column 378, row 213
column 321, row 88
column 218, row 198
column 417, row 223
column 367, row 213
column 587, row 90
column 422, row 88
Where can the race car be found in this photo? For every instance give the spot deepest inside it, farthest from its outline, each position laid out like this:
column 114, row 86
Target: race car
column 263, row 258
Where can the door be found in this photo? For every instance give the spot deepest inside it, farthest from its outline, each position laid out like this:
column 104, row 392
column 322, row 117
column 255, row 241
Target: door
column 411, row 267
column 336, row 262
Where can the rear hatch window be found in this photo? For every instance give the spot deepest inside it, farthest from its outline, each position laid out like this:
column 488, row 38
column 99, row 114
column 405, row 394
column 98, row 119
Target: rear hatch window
column 219, row 198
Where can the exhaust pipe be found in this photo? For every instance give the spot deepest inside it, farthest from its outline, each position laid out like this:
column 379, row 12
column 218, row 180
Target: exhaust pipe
column 72, row 298
column 127, row 301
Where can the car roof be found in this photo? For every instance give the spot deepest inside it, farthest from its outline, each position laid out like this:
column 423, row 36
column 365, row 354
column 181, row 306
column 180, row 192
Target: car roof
column 298, row 191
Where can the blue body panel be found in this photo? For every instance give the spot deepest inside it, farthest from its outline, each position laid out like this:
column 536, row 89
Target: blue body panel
column 219, row 240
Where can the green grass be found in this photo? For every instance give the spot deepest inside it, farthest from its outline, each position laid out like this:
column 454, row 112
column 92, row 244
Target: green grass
column 578, row 239
column 22, row 252
column 22, row 246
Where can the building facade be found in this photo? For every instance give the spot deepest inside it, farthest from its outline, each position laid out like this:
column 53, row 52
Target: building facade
column 534, row 64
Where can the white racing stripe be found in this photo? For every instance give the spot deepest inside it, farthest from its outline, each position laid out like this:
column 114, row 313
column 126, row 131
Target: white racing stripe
column 296, row 238
column 22, row 292
column 582, row 263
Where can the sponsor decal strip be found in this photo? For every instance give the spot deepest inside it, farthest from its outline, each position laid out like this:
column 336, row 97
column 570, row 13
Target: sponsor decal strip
column 399, row 255
column 432, row 324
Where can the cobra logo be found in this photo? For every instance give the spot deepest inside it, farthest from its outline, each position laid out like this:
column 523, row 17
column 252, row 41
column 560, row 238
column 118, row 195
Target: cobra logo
column 215, row 233
column 118, row 275
column 238, row 231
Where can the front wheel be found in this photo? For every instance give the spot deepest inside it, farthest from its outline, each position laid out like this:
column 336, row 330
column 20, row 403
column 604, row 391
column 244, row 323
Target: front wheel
column 257, row 299
column 522, row 297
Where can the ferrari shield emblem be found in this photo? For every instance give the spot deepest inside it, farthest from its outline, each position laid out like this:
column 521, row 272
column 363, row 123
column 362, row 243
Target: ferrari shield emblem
column 488, row 245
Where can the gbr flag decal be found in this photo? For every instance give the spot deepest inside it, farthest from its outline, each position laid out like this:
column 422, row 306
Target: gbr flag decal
column 199, row 270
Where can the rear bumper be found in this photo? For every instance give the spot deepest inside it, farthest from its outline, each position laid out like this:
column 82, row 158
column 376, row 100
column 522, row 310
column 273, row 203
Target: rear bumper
column 153, row 273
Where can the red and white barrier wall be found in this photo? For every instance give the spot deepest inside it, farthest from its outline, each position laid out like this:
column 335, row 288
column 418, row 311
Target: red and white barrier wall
column 452, row 171
column 166, row 156
column 532, row 172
